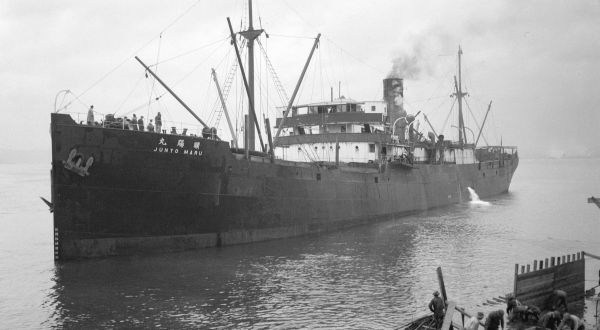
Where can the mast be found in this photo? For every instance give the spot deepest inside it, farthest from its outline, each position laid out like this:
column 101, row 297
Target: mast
column 291, row 102
column 172, row 93
column 250, row 35
column 462, row 136
column 251, row 111
column 483, row 124
column 214, row 74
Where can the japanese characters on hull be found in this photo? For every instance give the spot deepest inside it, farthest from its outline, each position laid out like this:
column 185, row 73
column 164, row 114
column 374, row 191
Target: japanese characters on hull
column 179, row 148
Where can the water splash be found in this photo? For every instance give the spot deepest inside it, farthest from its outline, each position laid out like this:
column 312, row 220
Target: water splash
column 475, row 198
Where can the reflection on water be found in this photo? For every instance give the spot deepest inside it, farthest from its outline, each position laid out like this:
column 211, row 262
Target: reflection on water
column 376, row 276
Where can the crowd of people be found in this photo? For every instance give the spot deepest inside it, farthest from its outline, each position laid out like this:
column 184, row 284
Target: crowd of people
column 137, row 124
column 555, row 317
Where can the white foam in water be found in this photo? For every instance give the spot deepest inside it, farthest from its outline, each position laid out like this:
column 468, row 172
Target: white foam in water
column 475, row 198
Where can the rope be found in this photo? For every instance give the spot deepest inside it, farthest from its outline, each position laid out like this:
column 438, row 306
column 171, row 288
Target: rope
column 154, row 80
column 288, row 36
column 130, row 93
column 128, row 58
column 476, row 123
column 448, row 117
column 189, row 52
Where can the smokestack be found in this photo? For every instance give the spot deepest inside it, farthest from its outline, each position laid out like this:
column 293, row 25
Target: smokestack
column 393, row 95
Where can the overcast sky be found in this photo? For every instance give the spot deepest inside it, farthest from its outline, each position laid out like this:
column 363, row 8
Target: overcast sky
column 538, row 61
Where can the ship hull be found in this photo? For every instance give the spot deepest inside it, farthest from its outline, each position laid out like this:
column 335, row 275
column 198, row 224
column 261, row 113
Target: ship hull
column 118, row 192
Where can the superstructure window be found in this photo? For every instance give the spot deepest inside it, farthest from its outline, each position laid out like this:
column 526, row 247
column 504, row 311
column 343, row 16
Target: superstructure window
column 373, row 108
column 371, row 147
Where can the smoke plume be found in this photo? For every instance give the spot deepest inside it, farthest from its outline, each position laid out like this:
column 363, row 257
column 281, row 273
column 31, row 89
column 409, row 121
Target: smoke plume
column 409, row 63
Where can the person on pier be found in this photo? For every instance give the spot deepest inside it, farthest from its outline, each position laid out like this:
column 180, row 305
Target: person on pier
column 550, row 320
column 438, row 308
column 494, row 320
column 571, row 322
column 557, row 301
column 473, row 322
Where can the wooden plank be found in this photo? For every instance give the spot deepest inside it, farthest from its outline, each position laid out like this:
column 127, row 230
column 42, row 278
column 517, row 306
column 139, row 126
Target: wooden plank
column 441, row 283
column 515, row 280
column 448, row 317
column 535, row 280
column 535, row 274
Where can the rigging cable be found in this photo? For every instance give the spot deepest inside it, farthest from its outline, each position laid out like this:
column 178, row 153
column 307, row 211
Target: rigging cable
column 190, row 51
column 154, row 79
column 476, row 123
column 128, row 58
column 130, row 93
column 448, row 117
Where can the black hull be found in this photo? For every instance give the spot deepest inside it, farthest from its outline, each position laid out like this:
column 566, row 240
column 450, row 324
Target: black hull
column 140, row 193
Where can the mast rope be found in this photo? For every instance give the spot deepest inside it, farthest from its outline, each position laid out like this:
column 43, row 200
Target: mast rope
column 476, row 123
column 128, row 58
column 289, row 36
column 276, row 81
column 130, row 93
column 448, row 117
column 152, row 91
column 85, row 105
column 217, row 107
column 189, row 52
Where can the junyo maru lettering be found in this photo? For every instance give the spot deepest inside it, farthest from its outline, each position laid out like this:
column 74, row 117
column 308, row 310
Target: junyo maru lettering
column 179, row 148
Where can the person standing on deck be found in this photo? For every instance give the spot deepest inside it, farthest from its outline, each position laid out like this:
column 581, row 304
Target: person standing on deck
column 158, row 122
column 438, row 307
column 494, row 320
column 134, row 123
column 90, row 116
column 150, row 126
column 473, row 322
column 141, row 123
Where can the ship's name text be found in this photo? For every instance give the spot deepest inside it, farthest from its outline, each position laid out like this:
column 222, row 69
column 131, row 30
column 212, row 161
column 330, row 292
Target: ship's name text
column 180, row 149
column 190, row 152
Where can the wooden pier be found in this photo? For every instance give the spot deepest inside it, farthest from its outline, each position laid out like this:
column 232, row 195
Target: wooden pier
column 534, row 283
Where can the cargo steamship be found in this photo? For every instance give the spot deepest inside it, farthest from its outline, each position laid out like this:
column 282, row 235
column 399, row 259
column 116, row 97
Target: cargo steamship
column 330, row 165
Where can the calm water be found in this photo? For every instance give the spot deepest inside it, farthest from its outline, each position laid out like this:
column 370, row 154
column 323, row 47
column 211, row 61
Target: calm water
column 375, row 276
